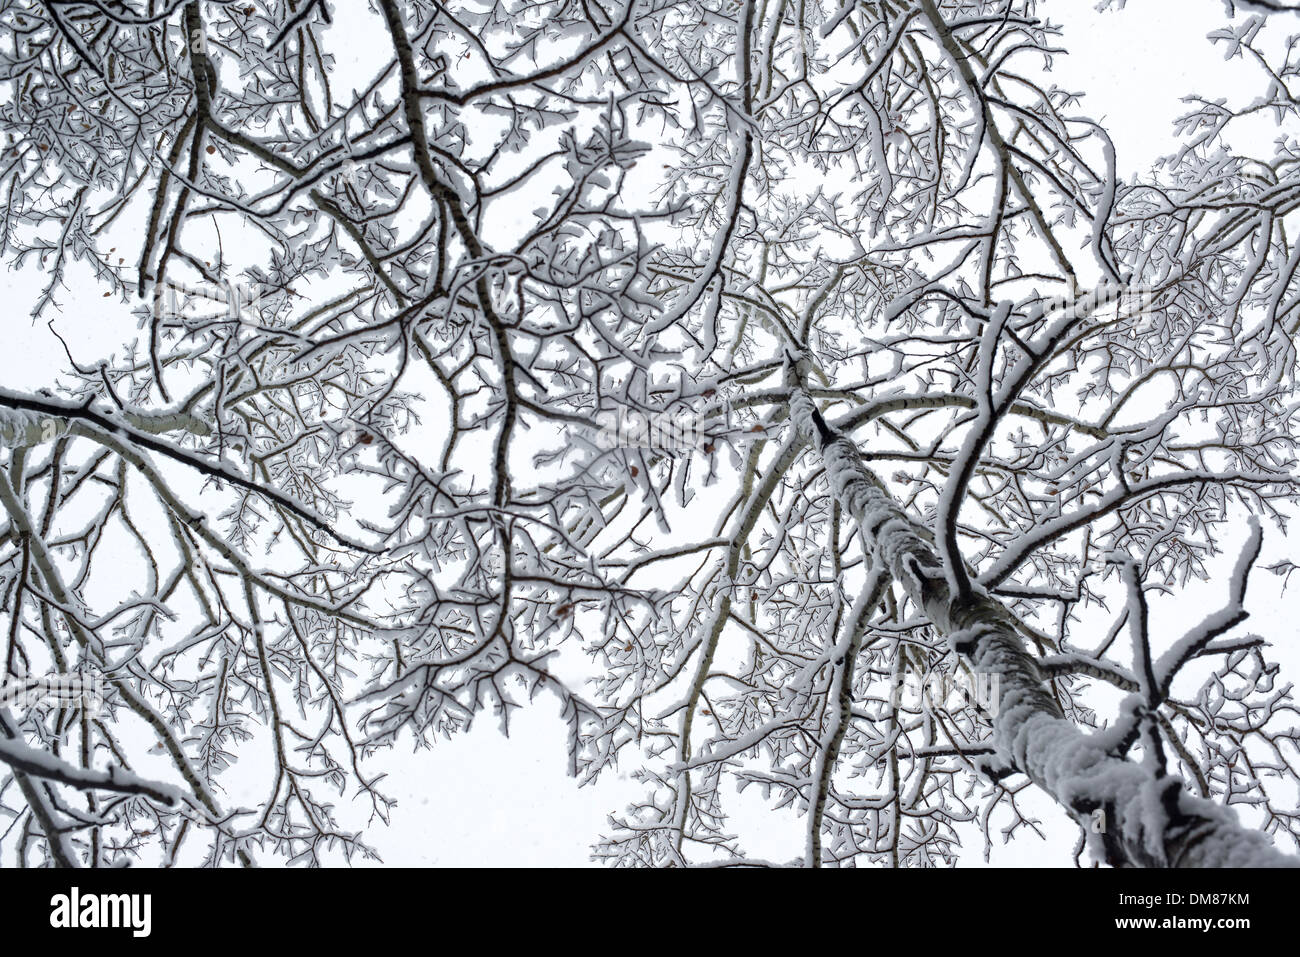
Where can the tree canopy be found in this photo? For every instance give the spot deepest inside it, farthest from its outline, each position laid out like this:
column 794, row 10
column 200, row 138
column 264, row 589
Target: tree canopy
column 795, row 391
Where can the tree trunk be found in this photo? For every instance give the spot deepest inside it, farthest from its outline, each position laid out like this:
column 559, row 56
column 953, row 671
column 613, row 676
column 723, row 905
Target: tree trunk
column 1147, row 818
